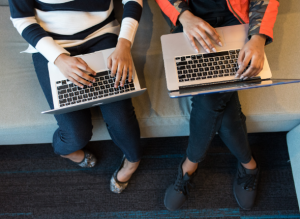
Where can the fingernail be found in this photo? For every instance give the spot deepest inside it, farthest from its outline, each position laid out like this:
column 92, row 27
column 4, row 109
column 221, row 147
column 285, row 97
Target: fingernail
column 220, row 44
column 214, row 50
column 245, row 78
column 207, row 50
column 236, row 75
column 94, row 80
column 90, row 85
column 242, row 77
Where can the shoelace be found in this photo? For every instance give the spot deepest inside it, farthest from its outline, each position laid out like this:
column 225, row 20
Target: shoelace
column 183, row 185
column 248, row 179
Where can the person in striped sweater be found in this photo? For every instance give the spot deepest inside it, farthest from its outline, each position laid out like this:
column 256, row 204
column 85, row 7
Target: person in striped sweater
column 58, row 30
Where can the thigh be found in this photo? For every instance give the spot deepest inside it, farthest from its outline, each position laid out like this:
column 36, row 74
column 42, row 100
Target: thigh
column 211, row 102
column 69, row 121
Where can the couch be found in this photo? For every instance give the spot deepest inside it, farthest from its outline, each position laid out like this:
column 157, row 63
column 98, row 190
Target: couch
column 269, row 109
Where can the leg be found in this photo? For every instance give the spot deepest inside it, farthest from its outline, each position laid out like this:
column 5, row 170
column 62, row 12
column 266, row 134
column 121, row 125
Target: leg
column 124, row 130
column 75, row 128
column 206, row 117
column 233, row 132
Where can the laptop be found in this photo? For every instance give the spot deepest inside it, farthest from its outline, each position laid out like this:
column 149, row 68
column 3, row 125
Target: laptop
column 188, row 73
column 68, row 97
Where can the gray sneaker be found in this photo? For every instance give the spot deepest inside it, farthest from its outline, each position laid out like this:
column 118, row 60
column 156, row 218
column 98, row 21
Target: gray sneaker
column 245, row 186
column 178, row 192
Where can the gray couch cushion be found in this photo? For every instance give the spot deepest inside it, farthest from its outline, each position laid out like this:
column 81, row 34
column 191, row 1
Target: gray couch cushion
column 3, row 2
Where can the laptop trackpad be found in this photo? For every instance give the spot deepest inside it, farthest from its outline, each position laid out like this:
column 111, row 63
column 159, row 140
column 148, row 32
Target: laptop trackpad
column 96, row 61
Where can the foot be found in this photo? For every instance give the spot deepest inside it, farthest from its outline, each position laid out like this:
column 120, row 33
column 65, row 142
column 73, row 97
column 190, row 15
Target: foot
column 122, row 175
column 83, row 158
column 127, row 170
column 178, row 192
column 245, row 186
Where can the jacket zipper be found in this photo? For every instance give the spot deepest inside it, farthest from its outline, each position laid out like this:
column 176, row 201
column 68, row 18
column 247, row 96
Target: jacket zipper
column 238, row 17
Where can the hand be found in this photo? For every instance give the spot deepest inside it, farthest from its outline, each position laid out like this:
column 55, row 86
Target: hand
column 253, row 51
column 195, row 27
column 75, row 69
column 120, row 62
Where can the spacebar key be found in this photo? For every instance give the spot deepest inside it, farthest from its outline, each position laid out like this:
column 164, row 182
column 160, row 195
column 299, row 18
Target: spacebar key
column 214, row 54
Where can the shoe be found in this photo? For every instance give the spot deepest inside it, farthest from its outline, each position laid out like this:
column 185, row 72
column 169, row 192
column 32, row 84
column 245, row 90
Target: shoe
column 89, row 160
column 245, row 186
column 115, row 185
column 178, row 192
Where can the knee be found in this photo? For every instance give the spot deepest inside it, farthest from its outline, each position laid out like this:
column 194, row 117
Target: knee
column 71, row 140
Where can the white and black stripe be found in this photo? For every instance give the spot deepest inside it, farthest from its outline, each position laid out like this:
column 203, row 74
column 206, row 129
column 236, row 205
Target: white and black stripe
column 50, row 25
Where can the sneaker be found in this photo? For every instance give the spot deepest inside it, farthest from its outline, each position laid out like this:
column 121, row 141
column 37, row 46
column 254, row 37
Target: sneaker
column 178, row 192
column 245, row 186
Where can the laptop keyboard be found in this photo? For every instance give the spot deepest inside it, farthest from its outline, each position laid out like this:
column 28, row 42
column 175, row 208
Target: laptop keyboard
column 69, row 93
column 207, row 66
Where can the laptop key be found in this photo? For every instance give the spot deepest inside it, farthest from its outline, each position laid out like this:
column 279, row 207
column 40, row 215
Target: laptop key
column 198, row 78
column 66, row 95
column 95, row 97
column 62, row 101
column 78, row 101
column 62, row 87
column 60, row 97
column 69, row 99
column 132, row 88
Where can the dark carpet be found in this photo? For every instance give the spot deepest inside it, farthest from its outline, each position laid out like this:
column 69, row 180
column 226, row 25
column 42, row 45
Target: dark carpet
column 36, row 183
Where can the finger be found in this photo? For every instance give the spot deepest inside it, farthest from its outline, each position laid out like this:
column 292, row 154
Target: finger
column 114, row 68
column 241, row 57
column 84, row 76
column 243, row 65
column 201, row 42
column 208, row 42
column 118, row 77
column 192, row 42
column 124, row 75
column 87, row 68
column 253, row 69
column 130, row 72
column 120, row 73
column 75, row 82
column 109, row 63
column 214, row 34
column 80, row 80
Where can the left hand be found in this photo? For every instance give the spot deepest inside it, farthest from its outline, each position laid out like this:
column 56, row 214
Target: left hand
column 120, row 62
column 253, row 51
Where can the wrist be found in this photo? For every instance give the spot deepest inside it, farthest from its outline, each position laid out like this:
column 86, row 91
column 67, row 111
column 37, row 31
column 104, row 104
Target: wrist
column 186, row 15
column 124, row 43
column 259, row 38
column 60, row 57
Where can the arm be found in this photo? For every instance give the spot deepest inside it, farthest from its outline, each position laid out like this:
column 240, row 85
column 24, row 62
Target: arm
column 23, row 18
column 262, row 18
column 120, row 61
column 173, row 9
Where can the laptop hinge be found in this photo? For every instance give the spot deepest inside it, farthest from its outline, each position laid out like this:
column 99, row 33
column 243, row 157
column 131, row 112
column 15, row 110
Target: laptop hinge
column 258, row 78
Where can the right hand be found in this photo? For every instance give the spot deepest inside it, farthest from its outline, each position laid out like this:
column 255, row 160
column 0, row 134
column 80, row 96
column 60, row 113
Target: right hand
column 75, row 69
column 195, row 27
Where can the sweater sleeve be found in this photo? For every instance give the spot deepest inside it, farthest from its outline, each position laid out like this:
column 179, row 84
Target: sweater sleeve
column 24, row 20
column 262, row 17
column 130, row 20
column 173, row 8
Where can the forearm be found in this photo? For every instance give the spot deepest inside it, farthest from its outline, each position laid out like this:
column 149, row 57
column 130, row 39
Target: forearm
column 262, row 17
column 131, row 17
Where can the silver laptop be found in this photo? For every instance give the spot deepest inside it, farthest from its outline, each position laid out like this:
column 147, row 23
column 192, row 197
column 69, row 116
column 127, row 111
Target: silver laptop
column 68, row 97
column 188, row 73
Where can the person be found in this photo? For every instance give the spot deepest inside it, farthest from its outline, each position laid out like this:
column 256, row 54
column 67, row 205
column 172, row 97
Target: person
column 61, row 29
column 220, row 112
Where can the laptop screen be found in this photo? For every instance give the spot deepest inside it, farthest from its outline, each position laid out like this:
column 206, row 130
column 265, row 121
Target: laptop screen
column 234, row 86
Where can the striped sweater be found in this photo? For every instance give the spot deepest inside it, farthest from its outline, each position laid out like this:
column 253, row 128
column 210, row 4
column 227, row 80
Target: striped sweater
column 49, row 26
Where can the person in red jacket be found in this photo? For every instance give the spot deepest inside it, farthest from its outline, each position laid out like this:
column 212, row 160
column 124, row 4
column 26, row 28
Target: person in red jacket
column 221, row 112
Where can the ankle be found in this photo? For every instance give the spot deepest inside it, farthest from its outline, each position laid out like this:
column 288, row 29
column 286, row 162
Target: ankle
column 76, row 156
column 251, row 165
column 189, row 167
